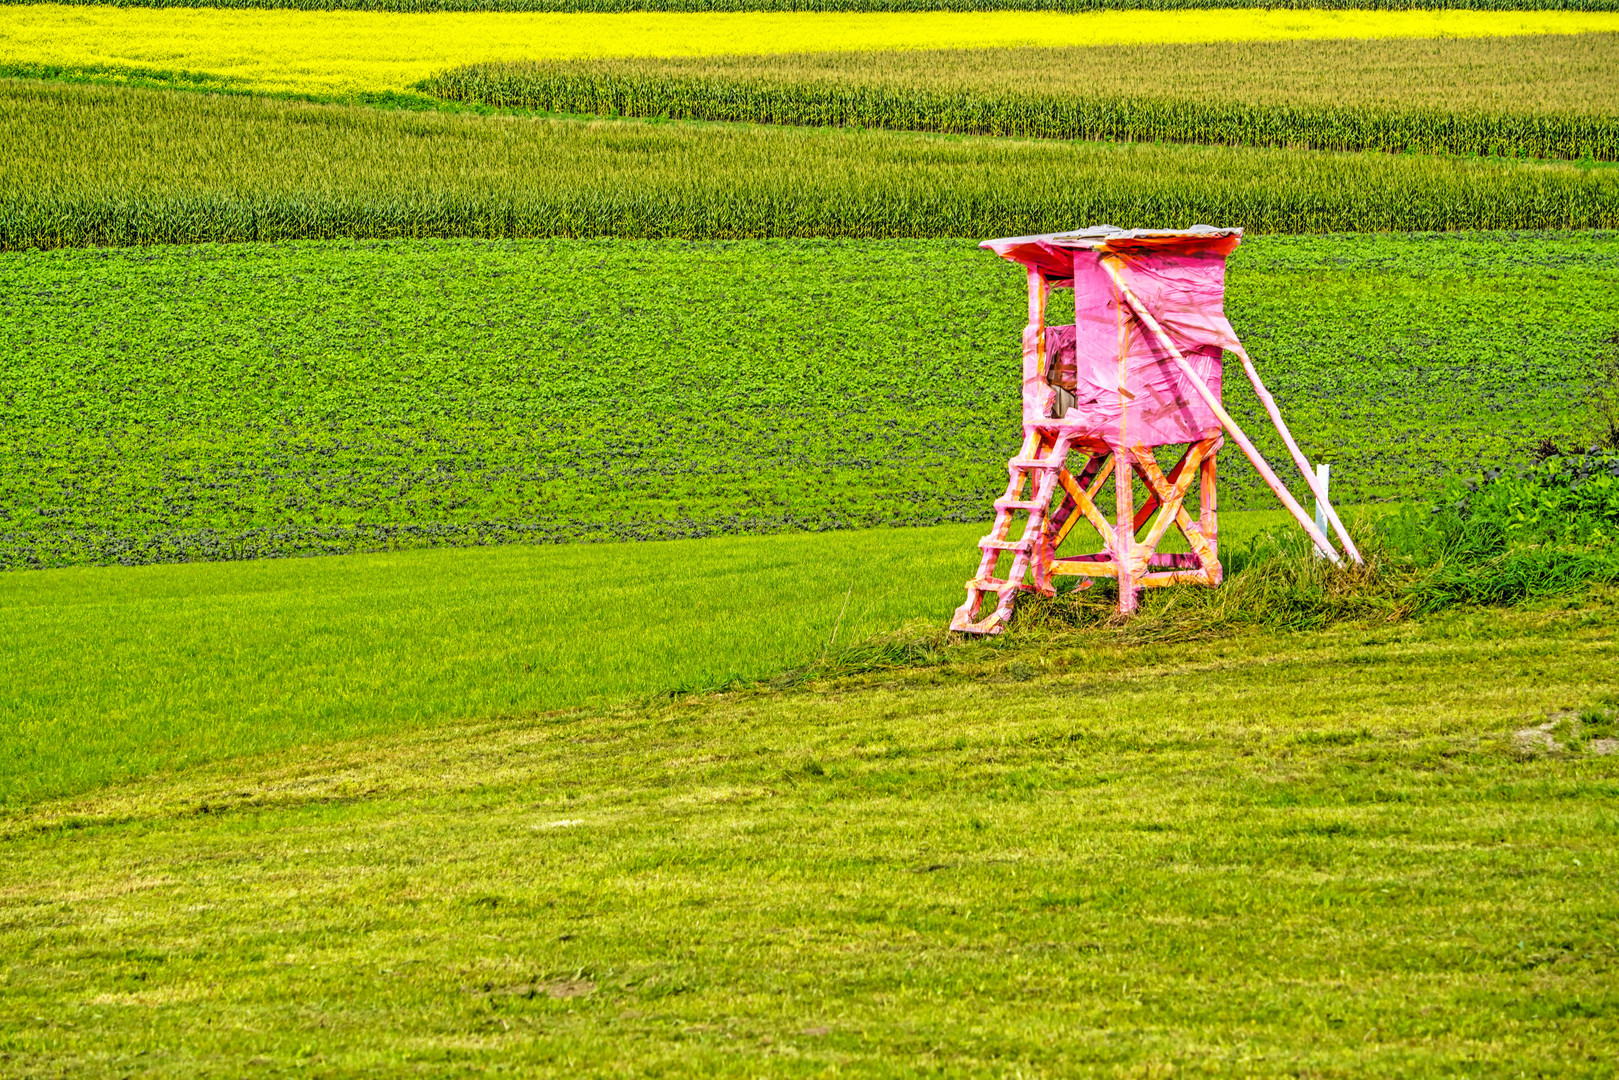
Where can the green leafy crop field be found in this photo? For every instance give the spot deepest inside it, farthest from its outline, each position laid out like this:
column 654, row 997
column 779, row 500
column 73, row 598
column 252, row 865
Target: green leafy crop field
column 1535, row 96
column 173, row 404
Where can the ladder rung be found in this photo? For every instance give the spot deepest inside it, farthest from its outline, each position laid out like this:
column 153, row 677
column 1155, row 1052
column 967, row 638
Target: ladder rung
column 994, row 585
column 988, row 544
column 1035, row 463
column 1013, row 504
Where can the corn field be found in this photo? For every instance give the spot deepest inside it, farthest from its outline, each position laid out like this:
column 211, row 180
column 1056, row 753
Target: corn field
column 1125, row 119
column 105, row 165
column 1543, row 97
column 1533, row 74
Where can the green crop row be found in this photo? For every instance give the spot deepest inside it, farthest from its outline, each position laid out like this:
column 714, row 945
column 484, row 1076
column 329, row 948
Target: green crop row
column 108, row 165
column 1538, row 96
column 857, row 5
column 1537, row 75
column 220, row 402
column 565, row 88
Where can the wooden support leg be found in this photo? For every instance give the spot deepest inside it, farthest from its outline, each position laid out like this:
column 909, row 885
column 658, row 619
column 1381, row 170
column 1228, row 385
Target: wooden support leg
column 1124, row 531
column 1208, row 520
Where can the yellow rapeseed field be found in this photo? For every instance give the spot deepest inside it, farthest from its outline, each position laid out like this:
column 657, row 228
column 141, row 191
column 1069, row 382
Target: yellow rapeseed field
column 345, row 51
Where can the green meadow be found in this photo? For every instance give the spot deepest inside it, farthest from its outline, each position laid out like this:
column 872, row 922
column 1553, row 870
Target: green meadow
column 1323, row 854
column 115, row 672
column 474, row 569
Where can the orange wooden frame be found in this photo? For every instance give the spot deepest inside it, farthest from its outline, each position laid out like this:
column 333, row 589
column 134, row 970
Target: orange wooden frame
column 1059, row 497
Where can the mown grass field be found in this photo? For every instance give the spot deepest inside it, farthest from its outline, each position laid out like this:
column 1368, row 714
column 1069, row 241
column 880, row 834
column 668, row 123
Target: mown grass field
column 114, row 673
column 238, row 401
column 350, row 51
column 1310, row 854
column 1534, row 96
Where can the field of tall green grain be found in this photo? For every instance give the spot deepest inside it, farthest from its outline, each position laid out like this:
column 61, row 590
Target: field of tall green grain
column 1545, row 96
column 1296, row 114
column 106, row 165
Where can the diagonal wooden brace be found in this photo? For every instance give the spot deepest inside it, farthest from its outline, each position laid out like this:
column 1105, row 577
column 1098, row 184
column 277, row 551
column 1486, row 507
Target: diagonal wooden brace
column 1144, row 514
column 1299, row 459
column 1085, row 500
column 1110, row 264
column 1172, row 498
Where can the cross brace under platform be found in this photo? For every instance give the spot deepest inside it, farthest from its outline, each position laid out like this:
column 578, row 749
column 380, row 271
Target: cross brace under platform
column 1054, row 499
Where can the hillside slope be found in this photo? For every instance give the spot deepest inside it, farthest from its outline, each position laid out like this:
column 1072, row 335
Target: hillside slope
column 1320, row 854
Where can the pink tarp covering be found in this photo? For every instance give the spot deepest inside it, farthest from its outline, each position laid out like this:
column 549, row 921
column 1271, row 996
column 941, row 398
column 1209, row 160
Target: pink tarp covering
column 1180, row 279
column 1139, row 367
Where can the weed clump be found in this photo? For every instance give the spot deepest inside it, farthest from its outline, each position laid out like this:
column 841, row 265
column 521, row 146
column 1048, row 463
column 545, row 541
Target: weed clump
column 1549, row 529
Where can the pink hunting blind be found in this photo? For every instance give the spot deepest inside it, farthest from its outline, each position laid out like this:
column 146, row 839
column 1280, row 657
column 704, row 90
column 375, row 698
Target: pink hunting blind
column 1138, row 369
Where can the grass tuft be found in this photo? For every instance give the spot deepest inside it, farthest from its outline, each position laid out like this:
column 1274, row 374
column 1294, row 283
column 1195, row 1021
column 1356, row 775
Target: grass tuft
column 1540, row 534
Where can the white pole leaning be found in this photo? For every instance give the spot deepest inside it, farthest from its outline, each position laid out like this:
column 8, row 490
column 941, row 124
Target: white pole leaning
column 1322, row 472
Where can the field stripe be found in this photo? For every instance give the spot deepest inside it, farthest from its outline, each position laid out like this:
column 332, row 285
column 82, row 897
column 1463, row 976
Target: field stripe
column 106, row 165
column 343, row 51
column 120, row 671
column 1540, row 96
